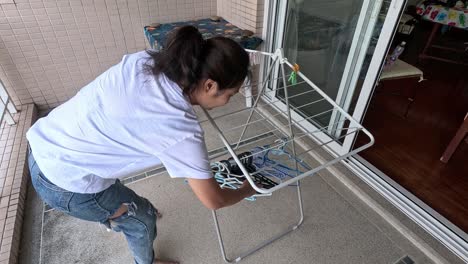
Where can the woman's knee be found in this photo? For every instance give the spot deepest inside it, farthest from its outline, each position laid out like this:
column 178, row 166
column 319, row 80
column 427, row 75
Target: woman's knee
column 122, row 210
column 141, row 215
column 149, row 215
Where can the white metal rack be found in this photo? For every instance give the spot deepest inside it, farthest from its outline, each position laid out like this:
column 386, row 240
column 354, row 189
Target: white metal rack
column 277, row 120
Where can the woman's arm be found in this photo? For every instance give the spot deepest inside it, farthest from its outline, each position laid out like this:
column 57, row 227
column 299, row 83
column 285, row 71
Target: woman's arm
column 213, row 197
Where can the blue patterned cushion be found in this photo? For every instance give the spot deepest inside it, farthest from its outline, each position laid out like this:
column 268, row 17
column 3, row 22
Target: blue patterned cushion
column 157, row 36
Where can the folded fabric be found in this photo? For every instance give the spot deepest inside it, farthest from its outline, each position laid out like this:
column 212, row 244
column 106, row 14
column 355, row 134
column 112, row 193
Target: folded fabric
column 157, row 35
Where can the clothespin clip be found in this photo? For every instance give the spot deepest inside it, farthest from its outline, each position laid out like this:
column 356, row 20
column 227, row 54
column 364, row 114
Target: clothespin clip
column 293, row 78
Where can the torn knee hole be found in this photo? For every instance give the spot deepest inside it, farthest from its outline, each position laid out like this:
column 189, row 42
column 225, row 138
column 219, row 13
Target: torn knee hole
column 125, row 208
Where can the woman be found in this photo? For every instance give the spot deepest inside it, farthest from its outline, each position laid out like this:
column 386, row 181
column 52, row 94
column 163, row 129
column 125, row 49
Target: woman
column 137, row 115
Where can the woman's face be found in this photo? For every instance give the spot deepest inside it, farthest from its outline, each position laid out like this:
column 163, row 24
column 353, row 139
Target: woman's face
column 208, row 95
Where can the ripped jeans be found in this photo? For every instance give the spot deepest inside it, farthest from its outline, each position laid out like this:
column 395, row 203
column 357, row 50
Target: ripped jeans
column 138, row 224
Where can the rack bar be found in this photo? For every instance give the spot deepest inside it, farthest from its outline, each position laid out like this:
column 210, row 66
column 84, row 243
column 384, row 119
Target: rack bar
column 275, row 115
column 254, row 249
column 249, row 108
column 283, row 142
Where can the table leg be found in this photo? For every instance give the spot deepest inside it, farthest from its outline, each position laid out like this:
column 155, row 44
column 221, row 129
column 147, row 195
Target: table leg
column 456, row 140
column 435, row 29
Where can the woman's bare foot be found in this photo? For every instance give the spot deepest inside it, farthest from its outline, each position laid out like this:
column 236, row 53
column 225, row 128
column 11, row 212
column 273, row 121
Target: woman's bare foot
column 159, row 261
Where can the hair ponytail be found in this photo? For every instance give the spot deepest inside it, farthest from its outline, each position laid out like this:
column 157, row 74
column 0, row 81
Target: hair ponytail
column 179, row 60
column 187, row 58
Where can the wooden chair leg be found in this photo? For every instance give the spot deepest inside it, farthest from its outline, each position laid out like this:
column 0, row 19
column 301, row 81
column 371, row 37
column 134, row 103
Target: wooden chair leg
column 456, row 140
column 435, row 29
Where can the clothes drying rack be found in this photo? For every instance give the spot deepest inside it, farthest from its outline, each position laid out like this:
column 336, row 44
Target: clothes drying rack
column 285, row 111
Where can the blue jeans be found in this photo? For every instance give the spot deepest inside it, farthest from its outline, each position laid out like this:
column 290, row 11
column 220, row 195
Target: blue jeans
column 138, row 223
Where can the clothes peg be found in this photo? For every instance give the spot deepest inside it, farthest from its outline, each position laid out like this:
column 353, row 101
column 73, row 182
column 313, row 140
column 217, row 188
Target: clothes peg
column 293, row 78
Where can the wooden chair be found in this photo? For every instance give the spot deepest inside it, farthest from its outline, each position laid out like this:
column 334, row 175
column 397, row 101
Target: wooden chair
column 456, row 140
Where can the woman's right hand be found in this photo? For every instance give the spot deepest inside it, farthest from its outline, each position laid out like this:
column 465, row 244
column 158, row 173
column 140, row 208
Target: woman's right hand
column 213, row 197
column 247, row 189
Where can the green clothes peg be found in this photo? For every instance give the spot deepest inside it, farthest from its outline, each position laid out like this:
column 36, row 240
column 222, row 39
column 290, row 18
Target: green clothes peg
column 293, row 78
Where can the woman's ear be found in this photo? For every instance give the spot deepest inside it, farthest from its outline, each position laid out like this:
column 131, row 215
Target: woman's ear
column 210, row 87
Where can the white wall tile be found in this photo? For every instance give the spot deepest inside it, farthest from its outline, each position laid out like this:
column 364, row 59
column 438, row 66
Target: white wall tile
column 245, row 14
column 61, row 45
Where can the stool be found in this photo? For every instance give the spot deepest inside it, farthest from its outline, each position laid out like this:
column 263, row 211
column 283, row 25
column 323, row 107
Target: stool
column 402, row 70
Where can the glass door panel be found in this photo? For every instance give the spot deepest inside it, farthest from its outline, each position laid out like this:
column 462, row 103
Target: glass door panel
column 333, row 42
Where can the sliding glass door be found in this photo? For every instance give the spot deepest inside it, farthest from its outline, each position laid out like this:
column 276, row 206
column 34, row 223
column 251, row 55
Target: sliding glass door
column 339, row 45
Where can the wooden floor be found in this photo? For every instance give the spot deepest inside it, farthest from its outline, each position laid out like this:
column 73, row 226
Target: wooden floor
column 408, row 148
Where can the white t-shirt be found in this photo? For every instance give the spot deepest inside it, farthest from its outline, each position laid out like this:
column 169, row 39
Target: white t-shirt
column 123, row 122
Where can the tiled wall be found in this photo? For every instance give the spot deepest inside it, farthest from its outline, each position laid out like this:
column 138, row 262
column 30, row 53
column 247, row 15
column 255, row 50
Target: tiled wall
column 246, row 14
column 49, row 49
column 14, row 176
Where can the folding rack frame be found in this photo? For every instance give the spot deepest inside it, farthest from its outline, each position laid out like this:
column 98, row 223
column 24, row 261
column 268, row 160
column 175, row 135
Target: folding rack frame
column 282, row 134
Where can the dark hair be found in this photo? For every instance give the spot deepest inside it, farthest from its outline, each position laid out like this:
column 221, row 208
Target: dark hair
column 187, row 58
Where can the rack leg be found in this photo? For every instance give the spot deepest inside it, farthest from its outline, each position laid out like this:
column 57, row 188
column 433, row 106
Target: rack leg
column 264, row 243
column 301, row 209
column 262, row 90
